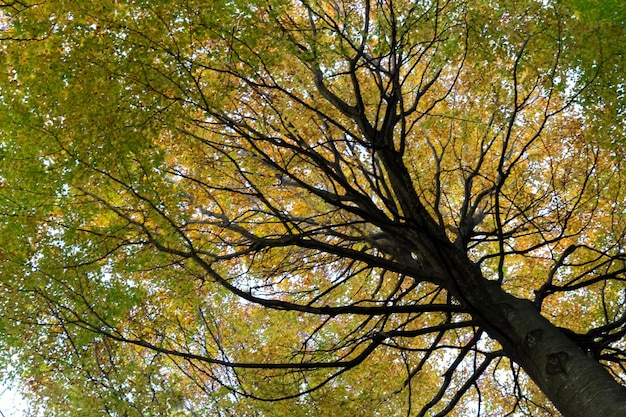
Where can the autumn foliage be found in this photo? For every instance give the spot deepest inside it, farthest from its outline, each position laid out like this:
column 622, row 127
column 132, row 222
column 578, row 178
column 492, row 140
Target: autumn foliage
column 297, row 208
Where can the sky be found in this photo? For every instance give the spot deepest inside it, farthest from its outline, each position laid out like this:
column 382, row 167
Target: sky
column 11, row 404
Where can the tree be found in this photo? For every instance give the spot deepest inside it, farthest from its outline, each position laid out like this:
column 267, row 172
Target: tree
column 298, row 207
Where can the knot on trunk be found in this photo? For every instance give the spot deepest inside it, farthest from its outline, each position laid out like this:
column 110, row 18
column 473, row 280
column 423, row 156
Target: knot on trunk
column 533, row 337
column 556, row 363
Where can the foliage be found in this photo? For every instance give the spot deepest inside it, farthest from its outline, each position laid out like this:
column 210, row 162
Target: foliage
column 261, row 209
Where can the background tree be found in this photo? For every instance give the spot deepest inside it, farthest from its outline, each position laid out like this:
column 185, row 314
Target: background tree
column 373, row 207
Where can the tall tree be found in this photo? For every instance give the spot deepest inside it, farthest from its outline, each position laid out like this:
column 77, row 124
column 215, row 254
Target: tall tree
column 299, row 207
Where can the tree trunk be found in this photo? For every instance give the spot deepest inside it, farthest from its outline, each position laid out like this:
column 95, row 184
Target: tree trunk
column 574, row 381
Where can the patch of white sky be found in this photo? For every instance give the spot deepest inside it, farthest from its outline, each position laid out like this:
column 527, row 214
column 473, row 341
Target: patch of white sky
column 12, row 404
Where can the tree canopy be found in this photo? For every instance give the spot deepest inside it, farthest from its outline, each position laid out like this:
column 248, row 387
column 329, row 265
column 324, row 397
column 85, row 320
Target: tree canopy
column 314, row 207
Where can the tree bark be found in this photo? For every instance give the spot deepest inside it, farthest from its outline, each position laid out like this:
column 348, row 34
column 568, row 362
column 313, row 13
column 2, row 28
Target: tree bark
column 574, row 381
